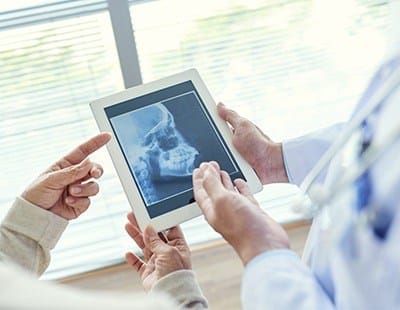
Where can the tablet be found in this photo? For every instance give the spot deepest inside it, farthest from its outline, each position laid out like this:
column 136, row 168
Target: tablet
column 162, row 131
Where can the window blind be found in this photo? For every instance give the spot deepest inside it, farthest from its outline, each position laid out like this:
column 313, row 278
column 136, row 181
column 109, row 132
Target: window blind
column 289, row 66
column 268, row 58
column 55, row 59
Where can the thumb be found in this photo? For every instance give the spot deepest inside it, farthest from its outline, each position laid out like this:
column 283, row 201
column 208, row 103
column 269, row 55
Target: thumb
column 69, row 175
column 153, row 241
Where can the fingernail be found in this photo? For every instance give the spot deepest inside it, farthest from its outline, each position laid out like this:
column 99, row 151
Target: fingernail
column 70, row 200
column 203, row 165
column 96, row 173
column 76, row 190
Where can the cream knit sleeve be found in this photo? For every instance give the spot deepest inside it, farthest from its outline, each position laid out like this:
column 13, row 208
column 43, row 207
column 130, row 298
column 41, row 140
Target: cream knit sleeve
column 28, row 233
column 183, row 287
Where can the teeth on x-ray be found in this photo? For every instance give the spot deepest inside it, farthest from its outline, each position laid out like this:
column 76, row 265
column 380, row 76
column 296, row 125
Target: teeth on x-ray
column 178, row 161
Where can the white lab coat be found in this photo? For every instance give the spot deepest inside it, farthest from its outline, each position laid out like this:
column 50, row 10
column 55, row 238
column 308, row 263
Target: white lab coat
column 345, row 265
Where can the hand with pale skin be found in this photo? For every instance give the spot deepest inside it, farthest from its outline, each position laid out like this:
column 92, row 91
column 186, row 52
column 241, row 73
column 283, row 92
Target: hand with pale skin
column 263, row 155
column 163, row 252
column 232, row 211
column 65, row 187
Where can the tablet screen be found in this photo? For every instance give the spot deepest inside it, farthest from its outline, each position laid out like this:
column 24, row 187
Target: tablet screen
column 164, row 135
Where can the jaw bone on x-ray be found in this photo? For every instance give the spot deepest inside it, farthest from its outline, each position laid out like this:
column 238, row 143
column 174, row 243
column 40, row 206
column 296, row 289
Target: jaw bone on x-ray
column 163, row 154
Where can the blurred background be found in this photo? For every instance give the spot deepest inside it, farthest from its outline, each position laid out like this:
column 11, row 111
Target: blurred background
column 288, row 66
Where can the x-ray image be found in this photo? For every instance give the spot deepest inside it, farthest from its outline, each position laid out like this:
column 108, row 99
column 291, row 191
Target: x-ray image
column 166, row 153
column 164, row 142
column 157, row 152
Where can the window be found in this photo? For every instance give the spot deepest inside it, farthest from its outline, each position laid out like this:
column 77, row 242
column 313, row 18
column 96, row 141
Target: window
column 266, row 59
column 54, row 61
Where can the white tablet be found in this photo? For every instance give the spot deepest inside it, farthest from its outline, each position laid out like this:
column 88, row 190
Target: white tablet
column 162, row 131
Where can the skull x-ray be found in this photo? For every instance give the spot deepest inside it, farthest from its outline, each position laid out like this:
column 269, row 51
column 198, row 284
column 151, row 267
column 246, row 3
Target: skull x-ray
column 164, row 137
column 165, row 151
column 156, row 151
column 161, row 153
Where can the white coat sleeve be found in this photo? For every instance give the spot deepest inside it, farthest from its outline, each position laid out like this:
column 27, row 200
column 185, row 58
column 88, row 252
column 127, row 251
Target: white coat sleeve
column 278, row 279
column 301, row 154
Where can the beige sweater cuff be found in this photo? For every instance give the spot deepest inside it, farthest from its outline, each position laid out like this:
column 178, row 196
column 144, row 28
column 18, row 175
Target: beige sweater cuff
column 34, row 222
column 182, row 286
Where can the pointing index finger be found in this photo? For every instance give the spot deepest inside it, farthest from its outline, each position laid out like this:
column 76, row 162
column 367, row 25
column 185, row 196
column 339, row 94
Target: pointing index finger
column 84, row 150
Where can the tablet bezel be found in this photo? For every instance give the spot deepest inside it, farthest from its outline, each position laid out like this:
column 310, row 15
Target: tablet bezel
column 138, row 206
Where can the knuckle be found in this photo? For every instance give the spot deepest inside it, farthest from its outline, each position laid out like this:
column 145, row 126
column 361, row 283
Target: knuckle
column 244, row 123
column 73, row 171
column 46, row 178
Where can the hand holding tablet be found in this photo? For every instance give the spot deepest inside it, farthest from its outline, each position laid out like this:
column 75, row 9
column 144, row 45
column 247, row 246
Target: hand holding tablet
column 162, row 131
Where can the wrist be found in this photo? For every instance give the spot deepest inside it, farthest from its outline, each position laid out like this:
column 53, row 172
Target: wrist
column 257, row 241
column 31, row 196
column 247, row 253
column 30, row 199
column 37, row 223
column 274, row 169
